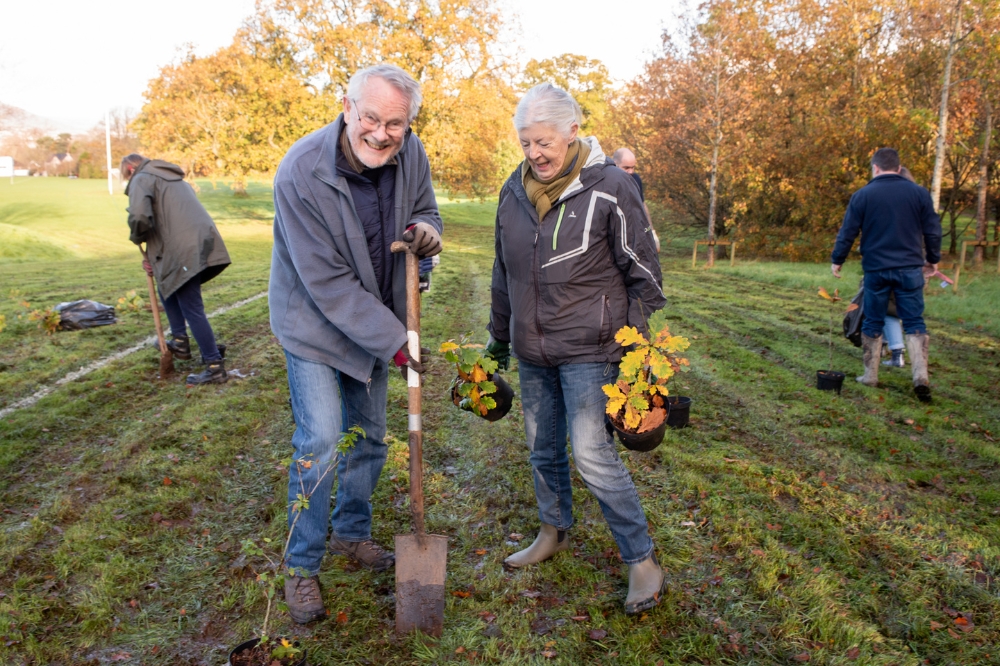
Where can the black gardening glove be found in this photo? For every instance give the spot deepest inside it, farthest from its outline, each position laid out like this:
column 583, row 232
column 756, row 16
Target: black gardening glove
column 424, row 239
column 500, row 352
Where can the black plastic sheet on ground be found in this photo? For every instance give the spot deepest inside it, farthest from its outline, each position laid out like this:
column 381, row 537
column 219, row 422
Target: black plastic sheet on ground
column 77, row 315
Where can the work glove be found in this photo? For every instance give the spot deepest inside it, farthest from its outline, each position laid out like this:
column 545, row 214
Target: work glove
column 403, row 361
column 424, row 239
column 500, row 352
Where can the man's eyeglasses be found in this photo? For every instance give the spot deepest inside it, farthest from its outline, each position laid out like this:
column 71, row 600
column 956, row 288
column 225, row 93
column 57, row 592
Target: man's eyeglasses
column 370, row 123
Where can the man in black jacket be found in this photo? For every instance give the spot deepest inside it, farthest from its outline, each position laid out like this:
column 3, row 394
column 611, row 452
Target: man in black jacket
column 899, row 231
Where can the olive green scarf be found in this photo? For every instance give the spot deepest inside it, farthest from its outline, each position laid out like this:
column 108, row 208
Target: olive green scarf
column 542, row 194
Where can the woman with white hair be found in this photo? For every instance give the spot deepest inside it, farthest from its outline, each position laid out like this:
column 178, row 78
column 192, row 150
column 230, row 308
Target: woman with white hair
column 575, row 262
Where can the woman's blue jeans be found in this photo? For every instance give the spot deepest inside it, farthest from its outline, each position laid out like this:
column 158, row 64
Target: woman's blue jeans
column 893, row 331
column 568, row 399
column 326, row 403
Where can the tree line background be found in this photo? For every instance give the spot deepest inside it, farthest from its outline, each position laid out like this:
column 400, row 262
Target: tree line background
column 755, row 121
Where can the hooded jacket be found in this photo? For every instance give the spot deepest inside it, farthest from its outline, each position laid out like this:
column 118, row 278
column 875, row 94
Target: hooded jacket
column 563, row 286
column 182, row 240
column 324, row 297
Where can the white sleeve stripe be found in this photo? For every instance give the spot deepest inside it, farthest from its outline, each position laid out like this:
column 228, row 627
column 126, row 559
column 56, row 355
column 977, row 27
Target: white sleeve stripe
column 632, row 254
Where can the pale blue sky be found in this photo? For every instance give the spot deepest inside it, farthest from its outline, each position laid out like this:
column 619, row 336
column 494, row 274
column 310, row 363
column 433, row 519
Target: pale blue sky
column 67, row 60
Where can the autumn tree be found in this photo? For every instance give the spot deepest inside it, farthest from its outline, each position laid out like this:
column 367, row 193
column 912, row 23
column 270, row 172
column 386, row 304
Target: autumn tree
column 586, row 79
column 227, row 115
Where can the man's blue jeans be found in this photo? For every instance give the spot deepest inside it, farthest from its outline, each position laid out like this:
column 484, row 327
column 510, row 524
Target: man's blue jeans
column 569, row 398
column 326, row 403
column 908, row 285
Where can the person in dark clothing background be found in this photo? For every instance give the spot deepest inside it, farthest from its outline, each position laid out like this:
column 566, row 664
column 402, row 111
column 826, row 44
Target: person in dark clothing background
column 185, row 250
column 900, row 232
column 624, row 159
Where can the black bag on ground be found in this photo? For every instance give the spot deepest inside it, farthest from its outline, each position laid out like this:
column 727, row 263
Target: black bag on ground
column 856, row 317
column 77, row 315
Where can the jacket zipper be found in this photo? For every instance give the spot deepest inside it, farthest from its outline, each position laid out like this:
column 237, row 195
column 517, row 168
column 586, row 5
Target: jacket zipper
column 555, row 234
column 538, row 299
column 600, row 335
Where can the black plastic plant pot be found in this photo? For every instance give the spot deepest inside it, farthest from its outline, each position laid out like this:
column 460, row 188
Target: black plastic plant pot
column 251, row 644
column 829, row 380
column 680, row 411
column 645, row 441
column 503, row 396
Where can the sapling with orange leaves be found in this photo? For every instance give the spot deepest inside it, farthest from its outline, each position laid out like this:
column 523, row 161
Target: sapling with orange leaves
column 834, row 299
column 636, row 401
column 474, row 386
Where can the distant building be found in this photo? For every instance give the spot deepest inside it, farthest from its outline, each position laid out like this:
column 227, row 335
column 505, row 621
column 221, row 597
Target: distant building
column 59, row 164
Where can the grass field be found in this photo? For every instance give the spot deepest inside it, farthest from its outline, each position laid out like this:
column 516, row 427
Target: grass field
column 795, row 526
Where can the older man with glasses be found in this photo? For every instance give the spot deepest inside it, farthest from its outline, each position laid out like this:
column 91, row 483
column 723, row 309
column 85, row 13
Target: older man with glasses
column 337, row 296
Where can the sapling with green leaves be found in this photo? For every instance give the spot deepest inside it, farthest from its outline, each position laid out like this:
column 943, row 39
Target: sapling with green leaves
column 272, row 577
column 474, row 385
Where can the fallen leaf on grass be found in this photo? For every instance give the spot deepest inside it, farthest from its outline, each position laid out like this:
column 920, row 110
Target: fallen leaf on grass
column 481, row 551
column 597, row 634
column 853, row 653
column 953, row 633
column 964, row 624
column 167, row 481
column 341, row 617
column 462, row 594
column 531, row 594
column 121, row 656
column 579, row 618
column 908, row 421
column 758, row 552
column 936, row 625
column 688, row 523
column 802, row 657
column 459, row 650
column 550, row 654
column 514, row 536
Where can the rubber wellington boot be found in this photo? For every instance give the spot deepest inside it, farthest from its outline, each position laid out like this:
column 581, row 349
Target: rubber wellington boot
column 918, row 346
column 214, row 373
column 897, row 360
column 180, row 347
column 645, row 585
column 872, row 348
column 549, row 541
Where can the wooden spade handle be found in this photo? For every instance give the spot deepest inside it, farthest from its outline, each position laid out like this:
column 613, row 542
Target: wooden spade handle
column 414, row 420
column 154, row 305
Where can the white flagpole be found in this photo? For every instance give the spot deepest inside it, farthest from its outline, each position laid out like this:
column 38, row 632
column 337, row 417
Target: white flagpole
column 107, row 143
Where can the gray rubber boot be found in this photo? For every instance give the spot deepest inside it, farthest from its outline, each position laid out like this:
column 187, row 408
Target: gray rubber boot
column 645, row 585
column 550, row 540
column 872, row 348
column 918, row 346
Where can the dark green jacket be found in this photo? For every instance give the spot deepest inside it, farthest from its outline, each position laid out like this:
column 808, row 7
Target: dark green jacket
column 182, row 240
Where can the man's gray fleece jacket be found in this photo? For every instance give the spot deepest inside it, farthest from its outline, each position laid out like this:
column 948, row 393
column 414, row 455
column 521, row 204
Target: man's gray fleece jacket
column 324, row 300
column 564, row 285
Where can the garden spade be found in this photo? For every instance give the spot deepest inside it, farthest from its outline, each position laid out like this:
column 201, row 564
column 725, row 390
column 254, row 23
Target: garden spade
column 420, row 557
column 166, row 358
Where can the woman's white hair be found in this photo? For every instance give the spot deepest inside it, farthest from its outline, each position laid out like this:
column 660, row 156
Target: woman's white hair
column 392, row 75
column 546, row 104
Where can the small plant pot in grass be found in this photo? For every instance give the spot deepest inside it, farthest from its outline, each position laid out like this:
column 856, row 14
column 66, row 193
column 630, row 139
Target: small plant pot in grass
column 830, row 379
column 251, row 653
column 478, row 388
column 638, row 406
column 503, row 399
column 680, row 411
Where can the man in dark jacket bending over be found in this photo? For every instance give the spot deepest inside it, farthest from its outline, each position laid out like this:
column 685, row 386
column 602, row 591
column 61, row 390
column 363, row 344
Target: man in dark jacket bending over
column 899, row 230
column 337, row 295
column 185, row 250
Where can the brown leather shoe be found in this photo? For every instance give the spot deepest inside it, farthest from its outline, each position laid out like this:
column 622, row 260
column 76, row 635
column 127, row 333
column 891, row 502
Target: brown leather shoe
column 367, row 553
column 304, row 599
